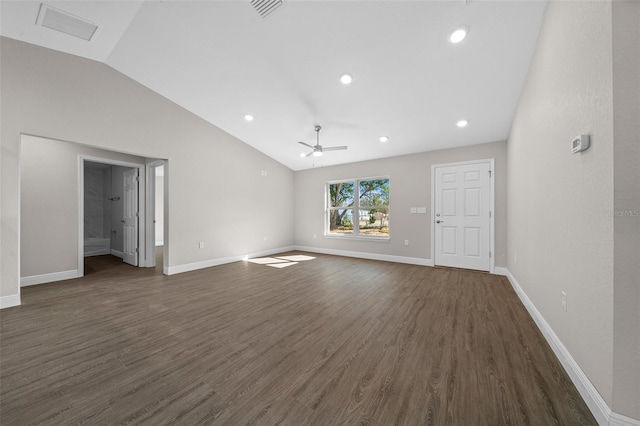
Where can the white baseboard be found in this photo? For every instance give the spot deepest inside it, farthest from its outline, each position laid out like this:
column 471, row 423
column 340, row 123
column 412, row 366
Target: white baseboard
column 9, row 301
column 620, row 420
column 599, row 408
column 117, row 253
column 499, row 270
column 48, row 278
column 171, row 270
column 370, row 256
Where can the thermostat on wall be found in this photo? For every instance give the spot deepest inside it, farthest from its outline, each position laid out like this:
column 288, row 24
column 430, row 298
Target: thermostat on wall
column 579, row 143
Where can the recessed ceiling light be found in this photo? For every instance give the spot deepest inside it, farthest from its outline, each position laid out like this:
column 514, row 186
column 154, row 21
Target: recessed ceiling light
column 248, row 117
column 346, row 79
column 458, row 35
column 384, row 138
column 317, row 153
column 462, row 123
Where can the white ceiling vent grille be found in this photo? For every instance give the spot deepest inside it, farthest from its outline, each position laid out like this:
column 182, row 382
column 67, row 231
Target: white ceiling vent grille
column 64, row 22
column 266, row 7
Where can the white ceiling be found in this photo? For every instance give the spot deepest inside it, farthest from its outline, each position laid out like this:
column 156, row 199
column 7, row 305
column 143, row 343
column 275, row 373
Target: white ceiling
column 220, row 60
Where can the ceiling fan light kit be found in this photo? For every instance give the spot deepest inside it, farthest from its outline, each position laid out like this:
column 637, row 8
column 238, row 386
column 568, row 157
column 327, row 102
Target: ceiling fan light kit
column 319, row 149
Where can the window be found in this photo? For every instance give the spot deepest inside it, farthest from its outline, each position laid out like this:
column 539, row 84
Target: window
column 358, row 207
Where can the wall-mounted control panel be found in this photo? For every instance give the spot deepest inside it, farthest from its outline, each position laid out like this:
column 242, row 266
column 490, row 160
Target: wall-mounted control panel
column 579, row 143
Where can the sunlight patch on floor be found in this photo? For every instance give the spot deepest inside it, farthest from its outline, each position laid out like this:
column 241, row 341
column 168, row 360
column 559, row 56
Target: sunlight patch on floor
column 266, row 260
column 281, row 265
column 296, row 258
column 281, row 261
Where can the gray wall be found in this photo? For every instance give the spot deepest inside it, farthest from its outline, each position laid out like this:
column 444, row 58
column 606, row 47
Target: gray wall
column 97, row 207
column 410, row 186
column 49, row 197
column 216, row 191
column 626, row 178
column 561, row 230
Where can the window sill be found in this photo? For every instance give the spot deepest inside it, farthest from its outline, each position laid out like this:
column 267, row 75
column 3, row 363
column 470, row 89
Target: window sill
column 357, row 237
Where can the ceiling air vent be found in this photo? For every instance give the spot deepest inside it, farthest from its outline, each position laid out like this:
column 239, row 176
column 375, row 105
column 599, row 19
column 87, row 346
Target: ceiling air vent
column 266, row 7
column 64, row 22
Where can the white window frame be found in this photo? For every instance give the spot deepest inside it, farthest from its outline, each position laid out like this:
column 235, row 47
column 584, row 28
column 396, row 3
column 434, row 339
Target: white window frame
column 356, row 211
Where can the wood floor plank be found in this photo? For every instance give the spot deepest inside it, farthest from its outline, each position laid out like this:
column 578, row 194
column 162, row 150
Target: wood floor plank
column 331, row 340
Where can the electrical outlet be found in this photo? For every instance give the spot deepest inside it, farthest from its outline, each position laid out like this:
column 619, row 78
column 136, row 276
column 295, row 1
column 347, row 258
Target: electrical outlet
column 564, row 301
column 406, row 242
column 201, row 244
column 314, row 236
column 265, row 238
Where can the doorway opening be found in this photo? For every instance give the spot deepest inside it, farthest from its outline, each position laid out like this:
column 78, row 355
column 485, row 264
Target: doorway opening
column 104, row 211
column 117, row 210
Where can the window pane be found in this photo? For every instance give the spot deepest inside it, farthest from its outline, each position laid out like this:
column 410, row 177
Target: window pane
column 374, row 192
column 374, row 222
column 341, row 194
column 341, row 221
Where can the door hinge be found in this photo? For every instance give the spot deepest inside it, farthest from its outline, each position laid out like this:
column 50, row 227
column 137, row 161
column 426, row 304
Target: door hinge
column 489, row 213
column 489, row 173
column 136, row 249
column 489, row 253
column 137, row 214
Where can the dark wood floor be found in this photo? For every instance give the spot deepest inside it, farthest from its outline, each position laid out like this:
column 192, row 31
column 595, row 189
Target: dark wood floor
column 329, row 341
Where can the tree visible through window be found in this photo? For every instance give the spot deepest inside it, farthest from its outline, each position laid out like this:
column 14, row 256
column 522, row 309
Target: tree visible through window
column 358, row 207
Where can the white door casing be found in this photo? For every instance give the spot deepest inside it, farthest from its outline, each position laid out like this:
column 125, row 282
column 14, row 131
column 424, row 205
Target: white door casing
column 462, row 215
column 130, row 217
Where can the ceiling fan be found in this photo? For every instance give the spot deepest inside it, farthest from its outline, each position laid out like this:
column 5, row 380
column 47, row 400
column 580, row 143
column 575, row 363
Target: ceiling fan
column 318, row 149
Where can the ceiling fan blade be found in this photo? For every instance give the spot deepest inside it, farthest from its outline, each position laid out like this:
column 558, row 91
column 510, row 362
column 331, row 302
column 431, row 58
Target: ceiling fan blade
column 306, row 144
column 334, row 148
column 309, row 154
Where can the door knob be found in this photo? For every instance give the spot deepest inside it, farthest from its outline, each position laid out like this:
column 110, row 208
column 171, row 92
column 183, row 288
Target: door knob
column 438, row 221
column 122, row 221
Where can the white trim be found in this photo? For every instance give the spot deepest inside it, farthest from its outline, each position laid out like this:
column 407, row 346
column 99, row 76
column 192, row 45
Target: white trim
column 620, row 420
column 10, row 301
column 358, row 237
column 594, row 401
column 171, row 270
column 499, row 270
column 150, row 231
column 370, row 256
column 117, row 253
column 49, row 278
column 492, row 203
column 151, row 242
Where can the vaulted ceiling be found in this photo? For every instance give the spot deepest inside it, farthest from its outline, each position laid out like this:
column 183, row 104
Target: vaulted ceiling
column 221, row 60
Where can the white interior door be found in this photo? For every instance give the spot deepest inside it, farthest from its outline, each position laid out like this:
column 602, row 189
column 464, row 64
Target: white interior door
column 130, row 218
column 462, row 215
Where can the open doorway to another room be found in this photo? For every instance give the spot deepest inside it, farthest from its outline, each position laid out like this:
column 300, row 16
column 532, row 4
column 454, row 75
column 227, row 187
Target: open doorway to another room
column 123, row 212
column 110, row 218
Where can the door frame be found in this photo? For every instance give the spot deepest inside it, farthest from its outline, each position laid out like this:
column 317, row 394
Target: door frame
column 151, row 214
column 492, row 186
column 142, row 257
